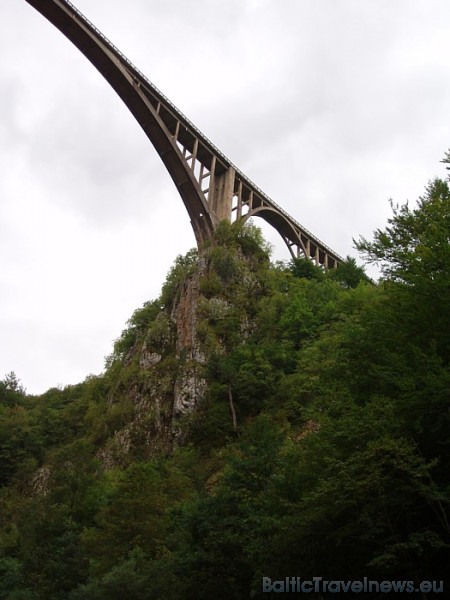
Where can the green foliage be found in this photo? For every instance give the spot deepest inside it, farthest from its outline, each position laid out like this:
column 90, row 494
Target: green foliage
column 11, row 578
column 414, row 249
column 225, row 263
column 11, row 390
column 211, row 284
column 349, row 274
column 304, row 268
column 414, row 252
column 136, row 326
column 251, row 241
column 183, row 266
column 229, row 527
column 211, row 427
column 245, row 236
column 322, row 445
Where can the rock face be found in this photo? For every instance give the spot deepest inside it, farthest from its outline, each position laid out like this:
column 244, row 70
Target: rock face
column 159, row 375
column 190, row 386
column 39, row 483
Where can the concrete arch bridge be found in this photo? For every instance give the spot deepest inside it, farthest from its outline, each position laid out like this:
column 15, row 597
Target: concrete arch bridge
column 210, row 185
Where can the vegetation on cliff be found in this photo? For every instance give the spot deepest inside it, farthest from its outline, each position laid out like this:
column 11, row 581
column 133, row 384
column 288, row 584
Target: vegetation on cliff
column 257, row 419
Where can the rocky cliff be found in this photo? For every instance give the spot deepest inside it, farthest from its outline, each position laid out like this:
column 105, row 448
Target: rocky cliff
column 158, row 371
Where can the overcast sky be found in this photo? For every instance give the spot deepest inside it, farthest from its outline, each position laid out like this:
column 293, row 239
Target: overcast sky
column 330, row 106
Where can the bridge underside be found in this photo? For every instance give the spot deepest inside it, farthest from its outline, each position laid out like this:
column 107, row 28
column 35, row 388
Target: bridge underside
column 211, row 187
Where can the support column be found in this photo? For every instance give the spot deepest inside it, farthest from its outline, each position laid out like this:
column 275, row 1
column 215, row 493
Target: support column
column 317, row 256
column 220, row 196
column 239, row 204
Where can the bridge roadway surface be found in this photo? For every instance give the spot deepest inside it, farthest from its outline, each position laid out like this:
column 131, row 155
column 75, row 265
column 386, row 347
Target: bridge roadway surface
column 210, row 185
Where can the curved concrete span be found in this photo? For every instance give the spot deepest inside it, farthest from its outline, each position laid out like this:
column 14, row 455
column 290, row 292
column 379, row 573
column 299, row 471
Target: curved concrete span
column 211, row 186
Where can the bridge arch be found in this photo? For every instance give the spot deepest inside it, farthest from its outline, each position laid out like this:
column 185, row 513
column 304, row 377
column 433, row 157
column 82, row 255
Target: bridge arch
column 297, row 243
column 282, row 225
column 206, row 179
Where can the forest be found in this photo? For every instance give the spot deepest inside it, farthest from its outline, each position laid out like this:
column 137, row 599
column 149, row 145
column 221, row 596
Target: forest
column 310, row 435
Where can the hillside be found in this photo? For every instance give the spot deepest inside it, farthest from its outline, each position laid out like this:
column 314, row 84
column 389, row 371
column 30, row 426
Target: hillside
column 256, row 420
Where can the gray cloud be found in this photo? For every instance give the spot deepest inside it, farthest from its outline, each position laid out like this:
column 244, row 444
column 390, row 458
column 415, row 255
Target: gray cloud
column 330, row 107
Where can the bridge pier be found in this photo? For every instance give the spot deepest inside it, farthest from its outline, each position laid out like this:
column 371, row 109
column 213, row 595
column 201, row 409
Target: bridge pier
column 221, row 191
